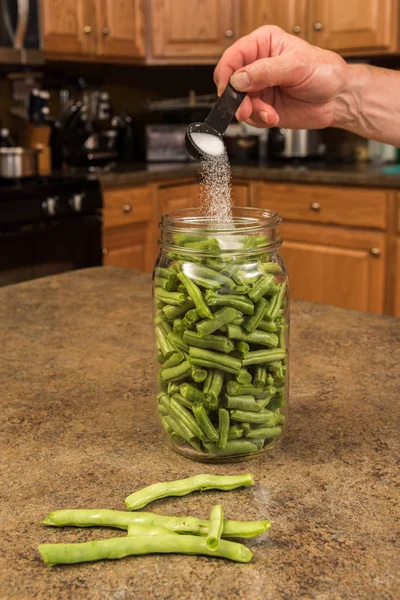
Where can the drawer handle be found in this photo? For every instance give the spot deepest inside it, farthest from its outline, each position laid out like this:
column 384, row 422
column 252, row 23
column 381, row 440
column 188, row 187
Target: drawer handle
column 318, row 26
column 229, row 33
column 105, row 31
column 127, row 208
column 315, row 206
column 296, row 29
column 87, row 30
column 375, row 251
column 104, row 250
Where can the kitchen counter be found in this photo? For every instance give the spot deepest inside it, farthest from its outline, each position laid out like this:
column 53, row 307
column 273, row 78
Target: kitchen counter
column 80, row 431
column 317, row 173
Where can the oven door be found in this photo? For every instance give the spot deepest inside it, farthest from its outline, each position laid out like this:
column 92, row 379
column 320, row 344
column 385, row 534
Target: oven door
column 49, row 248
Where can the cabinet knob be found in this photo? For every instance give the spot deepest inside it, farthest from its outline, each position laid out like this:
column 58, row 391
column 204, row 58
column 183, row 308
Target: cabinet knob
column 229, row 33
column 315, row 206
column 296, row 29
column 318, row 26
column 104, row 250
column 105, row 31
column 87, row 29
column 375, row 251
column 127, row 208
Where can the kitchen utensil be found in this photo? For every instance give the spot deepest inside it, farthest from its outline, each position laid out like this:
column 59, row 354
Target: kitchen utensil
column 216, row 122
column 19, row 162
column 295, row 143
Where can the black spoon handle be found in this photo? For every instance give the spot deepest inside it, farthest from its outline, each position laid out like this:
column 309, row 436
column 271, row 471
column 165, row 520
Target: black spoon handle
column 224, row 109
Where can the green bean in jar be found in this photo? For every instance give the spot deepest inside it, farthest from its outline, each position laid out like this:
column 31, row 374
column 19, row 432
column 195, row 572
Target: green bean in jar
column 221, row 320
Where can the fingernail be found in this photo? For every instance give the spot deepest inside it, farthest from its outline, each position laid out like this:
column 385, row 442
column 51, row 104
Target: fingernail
column 264, row 116
column 240, row 81
column 220, row 89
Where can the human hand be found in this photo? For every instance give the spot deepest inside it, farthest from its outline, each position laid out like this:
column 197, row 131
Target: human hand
column 287, row 80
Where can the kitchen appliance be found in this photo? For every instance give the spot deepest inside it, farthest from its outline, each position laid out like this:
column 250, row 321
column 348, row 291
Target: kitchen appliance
column 20, row 32
column 295, row 143
column 48, row 225
column 166, row 143
column 18, row 162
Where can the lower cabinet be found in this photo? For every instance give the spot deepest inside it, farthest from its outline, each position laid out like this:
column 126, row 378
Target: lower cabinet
column 397, row 289
column 335, row 266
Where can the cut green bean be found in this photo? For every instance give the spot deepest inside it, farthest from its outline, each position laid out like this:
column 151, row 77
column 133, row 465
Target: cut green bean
column 166, row 273
column 204, row 422
column 260, row 377
column 263, row 338
column 165, row 284
column 176, row 373
column 219, row 319
column 216, row 526
column 234, row 388
column 242, row 347
column 223, row 427
column 178, row 326
column 173, row 298
column 240, row 303
column 216, row 384
column 172, row 312
column 265, row 285
column 181, row 487
column 177, row 342
column 269, row 326
column 198, row 273
column 184, row 416
column 276, row 302
column 175, row 359
column 183, row 401
column 264, row 433
column 250, row 324
column 165, row 345
column 208, row 358
column 232, row 448
column 195, row 294
column 263, row 356
column 242, row 403
column 219, row 343
column 190, row 392
column 235, row 432
column 198, row 375
column 264, row 416
column 243, row 377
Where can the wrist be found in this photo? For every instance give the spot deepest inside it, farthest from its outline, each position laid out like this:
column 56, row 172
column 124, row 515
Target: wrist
column 348, row 104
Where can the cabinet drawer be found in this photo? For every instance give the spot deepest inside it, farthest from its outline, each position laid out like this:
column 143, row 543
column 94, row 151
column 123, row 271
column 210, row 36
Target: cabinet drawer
column 358, row 207
column 126, row 205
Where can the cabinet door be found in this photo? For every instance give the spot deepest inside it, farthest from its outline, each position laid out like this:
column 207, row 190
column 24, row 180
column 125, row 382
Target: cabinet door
column 338, row 266
column 192, row 28
column 128, row 247
column 290, row 15
column 356, row 25
column 397, row 292
column 240, row 194
column 120, row 25
column 176, row 196
column 67, row 27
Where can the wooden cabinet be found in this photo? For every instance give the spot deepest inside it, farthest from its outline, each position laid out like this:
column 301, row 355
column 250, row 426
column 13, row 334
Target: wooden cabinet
column 192, row 29
column 354, row 25
column 335, row 266
column 68, row 27
column 240, row 194
column 120, row 27
column 290, row 15
column 397, row 281
column 174, row 196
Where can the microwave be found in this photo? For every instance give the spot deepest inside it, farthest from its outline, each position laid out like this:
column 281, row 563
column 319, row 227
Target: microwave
column 20, row 32
column 166, row 143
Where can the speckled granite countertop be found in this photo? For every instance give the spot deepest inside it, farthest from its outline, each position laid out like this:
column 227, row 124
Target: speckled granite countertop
column 80, row 430
column 354, row 175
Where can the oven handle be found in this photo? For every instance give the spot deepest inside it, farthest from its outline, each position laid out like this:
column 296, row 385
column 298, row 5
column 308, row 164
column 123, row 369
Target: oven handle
column 22, row 25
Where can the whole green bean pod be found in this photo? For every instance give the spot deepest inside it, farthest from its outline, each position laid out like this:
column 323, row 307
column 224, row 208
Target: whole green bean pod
column 182, row 487
column 204, row 422
column 216, row 526
column 121, row 519
column 114, row 548
column 196, row 295
column 136, row 529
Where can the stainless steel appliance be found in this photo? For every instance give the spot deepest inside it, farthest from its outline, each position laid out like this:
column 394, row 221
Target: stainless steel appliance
column 295, row 143
column 18, row 162
column 166, row 143
column 48, row 225
column 20, row 32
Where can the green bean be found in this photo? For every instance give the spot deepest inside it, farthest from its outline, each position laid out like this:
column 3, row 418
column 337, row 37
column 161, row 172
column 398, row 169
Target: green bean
column 172, row 312
column 213, row 539
column 175, row 359
column 177, row 342
column 276, row 302
column 250, row 324
column 166, row 327
column 165, row 345
column 219, row 318
column 219, row 343
column 158, row 318
column 208, row 358
column 160, row 357
column 136, row 529
column 196, row 295
column 190, row 392
column 265, row 433
column 238, row 321
column 159, row 304
column 267, row 326
column 235, row 389
column 265, row 285
column 198, row 375
column 243, row 377
column 263, row 356
column 183, row 401
column 282, row 343
column 204, row 422
column 185, row 417
column 242, row 347
column 232, row 447
column 241, row 303
column 121, row 519
column 271, row 267
column 264, row 416
column 260, row 377
column 234, row 432
column 263, row 338
column 166, row 273
column 182, row 487
column 190, row 318
column 199, row 273
column 176, row 373
column 246, row 427
column 178, row 326
column 223, row 427
column 216, row 384
column 165, row 284
column 242, row 403
column 114, row 548
column 173, row 298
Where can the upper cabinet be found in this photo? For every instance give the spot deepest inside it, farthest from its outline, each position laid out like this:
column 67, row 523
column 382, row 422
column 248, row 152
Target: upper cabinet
column 120, row 27
column 290, row 15
column 68, row 27
column 188, row 29
column 353, row 25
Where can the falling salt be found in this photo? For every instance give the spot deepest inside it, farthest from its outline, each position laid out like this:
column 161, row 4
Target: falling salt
column 216, row 187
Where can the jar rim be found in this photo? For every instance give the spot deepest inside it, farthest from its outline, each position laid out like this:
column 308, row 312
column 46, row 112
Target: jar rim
column 245, row 219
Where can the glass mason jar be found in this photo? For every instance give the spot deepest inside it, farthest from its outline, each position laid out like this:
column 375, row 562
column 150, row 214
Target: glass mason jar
column 221, row 319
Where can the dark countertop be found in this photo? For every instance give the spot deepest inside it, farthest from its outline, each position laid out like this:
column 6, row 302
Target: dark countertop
column 318, row 173
column 80, row 430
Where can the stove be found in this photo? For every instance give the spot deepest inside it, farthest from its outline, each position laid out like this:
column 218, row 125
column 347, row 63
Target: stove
column 49, row 225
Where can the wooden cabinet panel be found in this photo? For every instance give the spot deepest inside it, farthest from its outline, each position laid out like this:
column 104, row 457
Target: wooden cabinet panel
column 358, row 207
column 120, row 26
column 124, row 205
column 240, row 194
column 356, row 25
column 174, row 197
column 68, row 27
column 192, row 28
column 128, row 247
column 397, row 290
column 335, row 266
column 290, row 15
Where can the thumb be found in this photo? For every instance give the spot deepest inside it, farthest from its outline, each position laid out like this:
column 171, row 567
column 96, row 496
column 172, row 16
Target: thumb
column 281, row 70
